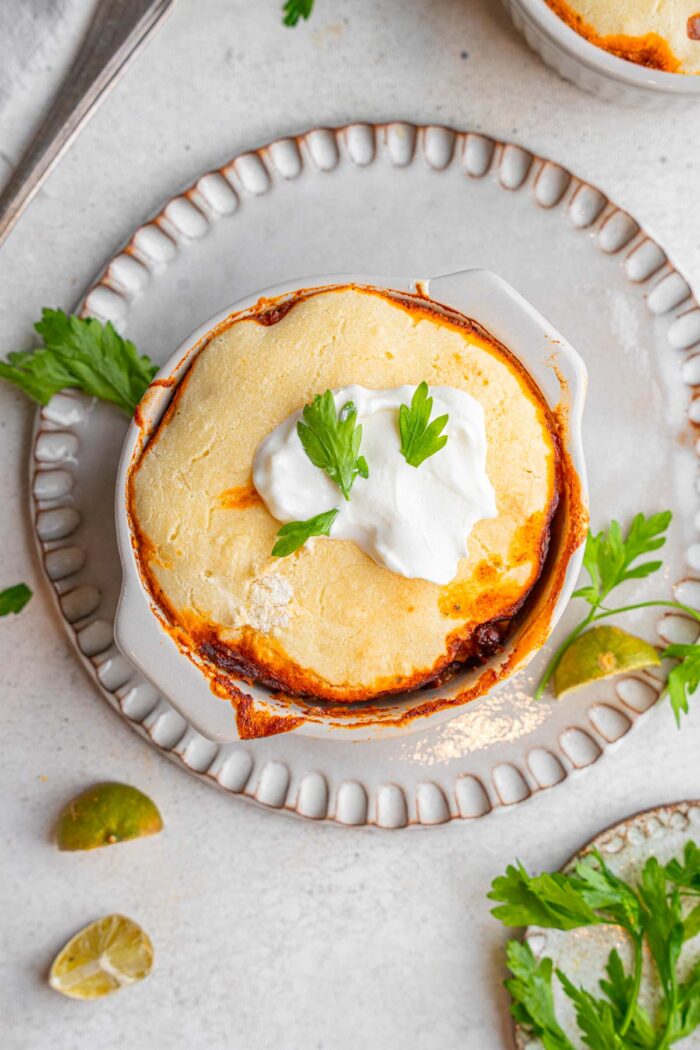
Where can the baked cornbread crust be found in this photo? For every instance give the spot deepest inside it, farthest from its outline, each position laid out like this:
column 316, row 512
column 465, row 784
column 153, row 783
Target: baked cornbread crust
column 328, row 622
column 657, row 35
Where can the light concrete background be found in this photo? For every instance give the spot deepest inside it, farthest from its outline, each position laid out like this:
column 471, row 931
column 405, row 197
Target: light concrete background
column 273, row 934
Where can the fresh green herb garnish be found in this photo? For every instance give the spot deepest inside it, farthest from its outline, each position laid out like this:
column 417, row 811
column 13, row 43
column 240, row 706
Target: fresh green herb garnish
column 532, row 999
column 295, row 9
column 657, row 914
column 610, row 559
column 332, row 440
column 294, row 534
column 684, row 679
column 419, row 437
column 687, row 873
column 83, row 354
column 14, row 599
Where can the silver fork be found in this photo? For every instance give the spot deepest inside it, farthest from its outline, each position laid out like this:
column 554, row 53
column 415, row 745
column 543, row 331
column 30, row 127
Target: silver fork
column 118, row 31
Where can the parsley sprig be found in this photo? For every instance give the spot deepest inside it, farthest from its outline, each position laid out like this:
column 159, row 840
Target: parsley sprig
column 293, row 10
column 294, row 534
column 332, row 440
column 610, row 559
column 420, row 438
column 14, row 599
column 659, row 914
column 83, row 354
column 684, row 679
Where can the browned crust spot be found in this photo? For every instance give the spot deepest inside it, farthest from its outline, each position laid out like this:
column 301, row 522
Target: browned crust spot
column 693, row 27
column 239, row 497
column 650, row 50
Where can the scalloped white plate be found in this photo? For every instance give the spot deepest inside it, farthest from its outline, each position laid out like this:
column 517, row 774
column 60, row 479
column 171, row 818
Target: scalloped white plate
column 392, row 199
column 582, row 954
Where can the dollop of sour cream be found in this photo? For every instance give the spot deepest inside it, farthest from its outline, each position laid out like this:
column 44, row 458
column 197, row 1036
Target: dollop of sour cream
column 414, row 521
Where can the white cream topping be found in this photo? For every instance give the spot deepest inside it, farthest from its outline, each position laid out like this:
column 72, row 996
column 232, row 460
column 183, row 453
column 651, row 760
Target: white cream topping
column 414, row 521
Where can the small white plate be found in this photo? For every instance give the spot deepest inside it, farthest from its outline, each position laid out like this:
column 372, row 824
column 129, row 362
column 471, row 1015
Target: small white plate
column 582, row 954
column 392, row 199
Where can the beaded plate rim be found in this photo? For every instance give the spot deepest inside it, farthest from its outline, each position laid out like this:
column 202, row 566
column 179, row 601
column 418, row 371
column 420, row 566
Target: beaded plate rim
column 187, row 216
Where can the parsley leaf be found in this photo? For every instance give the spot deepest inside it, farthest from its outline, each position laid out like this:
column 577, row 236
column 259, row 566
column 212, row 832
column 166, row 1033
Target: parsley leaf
column 543, row 900
column 293, row 10
column 14, row 599
column 419, row 437
column 604, row 891
column 588, row 896
column 619, row 988
column 691, row 923
column 332, row 441
column 663, row 924
column 595, row 1018
column 530, row 988
column 294, row 534
column 688, row 1005
column 686, row 874
column 609, row 557
column 684, row 679
column 83, row 354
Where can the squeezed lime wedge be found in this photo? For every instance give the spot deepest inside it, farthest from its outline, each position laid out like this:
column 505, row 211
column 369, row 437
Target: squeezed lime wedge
column 102, row 958
column 602, row 652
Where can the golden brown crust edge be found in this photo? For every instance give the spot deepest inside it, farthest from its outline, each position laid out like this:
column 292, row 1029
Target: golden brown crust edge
column 650, row 50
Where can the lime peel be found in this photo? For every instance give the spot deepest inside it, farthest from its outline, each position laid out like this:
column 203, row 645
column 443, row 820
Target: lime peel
column 102, row 958
column 602, row 652
column 105, row 814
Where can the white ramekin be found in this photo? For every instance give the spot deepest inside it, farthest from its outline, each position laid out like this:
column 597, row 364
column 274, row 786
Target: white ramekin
column 592, row 68
column 145, row 641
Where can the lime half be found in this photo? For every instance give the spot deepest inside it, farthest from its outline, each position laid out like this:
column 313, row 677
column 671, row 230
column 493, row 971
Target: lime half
column 102, row 958
column 601, row 653
column 105, row 814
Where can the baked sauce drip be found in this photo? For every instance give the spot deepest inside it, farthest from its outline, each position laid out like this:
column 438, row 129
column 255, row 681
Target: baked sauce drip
column 272, row 314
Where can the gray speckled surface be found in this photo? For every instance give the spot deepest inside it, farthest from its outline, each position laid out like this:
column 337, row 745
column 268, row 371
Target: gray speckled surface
column 271, row 933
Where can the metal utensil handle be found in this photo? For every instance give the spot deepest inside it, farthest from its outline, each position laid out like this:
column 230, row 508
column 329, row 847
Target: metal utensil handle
column 117, row 32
